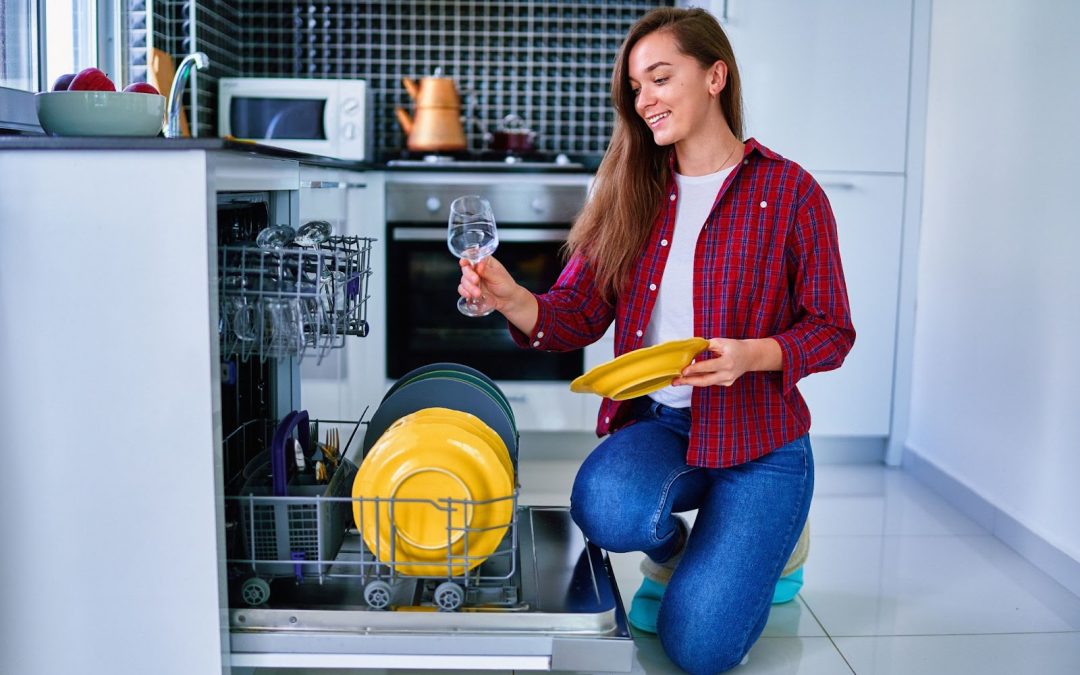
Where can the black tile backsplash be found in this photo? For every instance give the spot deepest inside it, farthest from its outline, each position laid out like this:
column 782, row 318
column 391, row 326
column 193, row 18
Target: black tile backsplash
column 549, row 62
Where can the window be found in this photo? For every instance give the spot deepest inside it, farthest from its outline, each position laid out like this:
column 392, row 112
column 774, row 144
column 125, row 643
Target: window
column 40, row 40
column 17, row 45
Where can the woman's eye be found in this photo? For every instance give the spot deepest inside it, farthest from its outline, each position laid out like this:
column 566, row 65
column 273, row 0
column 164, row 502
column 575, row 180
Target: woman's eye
column 660, row 80
column 635, row 92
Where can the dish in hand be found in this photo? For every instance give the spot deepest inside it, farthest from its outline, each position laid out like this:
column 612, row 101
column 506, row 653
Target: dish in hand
column 641, row 371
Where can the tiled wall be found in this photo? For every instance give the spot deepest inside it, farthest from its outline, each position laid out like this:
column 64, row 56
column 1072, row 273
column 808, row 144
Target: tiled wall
column 549, row 62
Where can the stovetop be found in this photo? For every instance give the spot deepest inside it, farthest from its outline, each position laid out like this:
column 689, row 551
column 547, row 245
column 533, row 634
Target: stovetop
column 486, row 160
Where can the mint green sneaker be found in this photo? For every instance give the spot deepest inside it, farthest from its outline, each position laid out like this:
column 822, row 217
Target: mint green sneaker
column 645, row 606
column 788, row 587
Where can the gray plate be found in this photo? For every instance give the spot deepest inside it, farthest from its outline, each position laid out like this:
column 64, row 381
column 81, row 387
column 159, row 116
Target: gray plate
column 442, row 393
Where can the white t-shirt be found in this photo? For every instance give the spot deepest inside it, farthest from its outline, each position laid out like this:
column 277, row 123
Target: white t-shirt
column 673, row 314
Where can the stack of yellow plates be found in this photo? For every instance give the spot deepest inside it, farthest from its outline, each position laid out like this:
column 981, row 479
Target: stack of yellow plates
column 641, row 371
column 423, row 493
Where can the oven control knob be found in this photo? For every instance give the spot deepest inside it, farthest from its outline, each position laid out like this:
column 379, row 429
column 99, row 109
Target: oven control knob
column 537, row 205
column 349, row 131
column 433, row 204
column 349, row 106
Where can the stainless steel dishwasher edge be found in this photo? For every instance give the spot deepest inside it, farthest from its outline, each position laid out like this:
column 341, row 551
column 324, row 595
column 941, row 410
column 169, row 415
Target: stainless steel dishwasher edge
column 569, row 617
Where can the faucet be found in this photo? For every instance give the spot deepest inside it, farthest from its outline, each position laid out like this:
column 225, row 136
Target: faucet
column 200, row 61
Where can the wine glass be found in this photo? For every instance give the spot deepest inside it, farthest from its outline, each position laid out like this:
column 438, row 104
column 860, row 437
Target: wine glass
column 472, row 235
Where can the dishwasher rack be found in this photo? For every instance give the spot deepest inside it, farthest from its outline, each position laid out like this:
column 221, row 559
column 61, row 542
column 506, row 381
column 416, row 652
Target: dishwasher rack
column 292, row 301
column 309, row 538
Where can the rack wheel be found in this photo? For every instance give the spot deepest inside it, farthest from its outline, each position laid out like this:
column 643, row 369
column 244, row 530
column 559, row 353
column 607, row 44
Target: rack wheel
column 255, row 591
column 377, row 594
column 449, row 596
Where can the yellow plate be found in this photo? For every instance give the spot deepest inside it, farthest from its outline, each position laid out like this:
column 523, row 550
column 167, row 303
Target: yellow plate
column 466, row 421
column 641, row 371
column 432, row 462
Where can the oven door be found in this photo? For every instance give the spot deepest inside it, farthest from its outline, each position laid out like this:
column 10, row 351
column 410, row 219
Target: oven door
column 424, row 325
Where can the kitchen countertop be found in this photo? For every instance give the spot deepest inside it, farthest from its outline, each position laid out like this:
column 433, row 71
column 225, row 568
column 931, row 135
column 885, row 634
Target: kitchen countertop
column 37, row 142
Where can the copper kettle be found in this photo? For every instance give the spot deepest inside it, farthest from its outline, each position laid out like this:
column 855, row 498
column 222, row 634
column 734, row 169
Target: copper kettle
column 436, row 126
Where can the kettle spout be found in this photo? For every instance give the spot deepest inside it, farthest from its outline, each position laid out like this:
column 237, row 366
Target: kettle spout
column 412, row 87
column 404, row 120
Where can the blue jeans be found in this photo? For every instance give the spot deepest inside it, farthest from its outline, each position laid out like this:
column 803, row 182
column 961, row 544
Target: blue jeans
column 749, row 519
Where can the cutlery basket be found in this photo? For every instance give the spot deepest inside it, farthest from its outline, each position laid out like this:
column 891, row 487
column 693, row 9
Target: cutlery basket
column 294, row 527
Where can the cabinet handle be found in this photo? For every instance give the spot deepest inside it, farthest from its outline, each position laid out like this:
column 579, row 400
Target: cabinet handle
column 517, row 398
column 507, row 234
column 322, row 184
column 838, row 185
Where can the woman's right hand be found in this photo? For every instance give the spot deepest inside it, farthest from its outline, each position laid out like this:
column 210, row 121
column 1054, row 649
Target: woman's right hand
column 488, row 278
column 491, row 279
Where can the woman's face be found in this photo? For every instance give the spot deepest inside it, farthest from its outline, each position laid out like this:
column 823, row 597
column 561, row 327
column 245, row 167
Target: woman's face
column 673, row 93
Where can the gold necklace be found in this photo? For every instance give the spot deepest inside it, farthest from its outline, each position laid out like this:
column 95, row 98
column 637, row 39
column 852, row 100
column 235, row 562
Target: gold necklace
column 730, row 155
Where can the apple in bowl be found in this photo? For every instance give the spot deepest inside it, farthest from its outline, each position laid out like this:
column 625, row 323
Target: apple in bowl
column 87, row 104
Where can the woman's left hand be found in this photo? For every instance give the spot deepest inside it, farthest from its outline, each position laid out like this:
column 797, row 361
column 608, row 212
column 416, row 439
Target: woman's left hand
column 733, row 358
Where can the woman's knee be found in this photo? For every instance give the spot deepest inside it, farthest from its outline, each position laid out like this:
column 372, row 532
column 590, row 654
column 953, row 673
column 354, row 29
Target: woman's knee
column 699, row 635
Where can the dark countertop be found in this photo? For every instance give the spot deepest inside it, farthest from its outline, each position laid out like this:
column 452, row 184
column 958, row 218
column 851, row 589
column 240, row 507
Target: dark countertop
column 37, row 142
column 33, row 142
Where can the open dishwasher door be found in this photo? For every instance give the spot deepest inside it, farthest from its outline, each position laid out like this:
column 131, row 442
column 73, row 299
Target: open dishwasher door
column 558, row 609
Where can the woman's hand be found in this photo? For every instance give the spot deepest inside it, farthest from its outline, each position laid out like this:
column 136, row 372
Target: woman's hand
column 488, row 278
column 733, row 359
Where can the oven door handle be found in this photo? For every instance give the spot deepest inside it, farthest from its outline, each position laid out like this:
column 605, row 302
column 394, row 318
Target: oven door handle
column 526, row 234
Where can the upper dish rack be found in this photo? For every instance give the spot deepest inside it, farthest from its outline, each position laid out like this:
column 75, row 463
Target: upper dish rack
column 293, row 302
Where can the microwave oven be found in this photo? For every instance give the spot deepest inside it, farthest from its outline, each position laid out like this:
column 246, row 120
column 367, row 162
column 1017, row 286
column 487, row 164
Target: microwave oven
column 331, row 118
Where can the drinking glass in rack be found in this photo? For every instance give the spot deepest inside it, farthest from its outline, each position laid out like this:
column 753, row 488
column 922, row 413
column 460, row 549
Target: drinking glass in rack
column 471, row 234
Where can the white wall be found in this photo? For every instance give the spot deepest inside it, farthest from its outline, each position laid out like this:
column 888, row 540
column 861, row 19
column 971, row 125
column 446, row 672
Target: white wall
column 995, row 400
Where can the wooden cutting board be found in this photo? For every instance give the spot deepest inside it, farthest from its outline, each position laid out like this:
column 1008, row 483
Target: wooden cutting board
column 160, row 71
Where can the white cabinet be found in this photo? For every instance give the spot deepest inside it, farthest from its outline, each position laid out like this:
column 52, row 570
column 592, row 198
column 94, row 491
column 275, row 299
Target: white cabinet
column 347, row 379
column 825, row 83
column 856, row 400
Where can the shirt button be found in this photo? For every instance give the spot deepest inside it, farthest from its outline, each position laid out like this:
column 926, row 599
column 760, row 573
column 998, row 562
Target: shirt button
column 536, row 343
column 663, row 242
column 746, row 161
column 607, row 420
column 638, row 333
column 764, row 204
column 652, row 287
column 540, row 334
column 672, row 197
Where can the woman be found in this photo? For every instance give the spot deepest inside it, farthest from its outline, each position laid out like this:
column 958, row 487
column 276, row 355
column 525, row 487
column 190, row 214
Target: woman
column 691, row 232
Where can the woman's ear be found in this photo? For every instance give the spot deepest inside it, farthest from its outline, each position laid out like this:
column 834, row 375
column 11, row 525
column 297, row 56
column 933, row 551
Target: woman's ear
column 717, row 78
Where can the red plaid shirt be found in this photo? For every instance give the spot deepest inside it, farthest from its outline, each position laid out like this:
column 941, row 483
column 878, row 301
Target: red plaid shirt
column 767, row 264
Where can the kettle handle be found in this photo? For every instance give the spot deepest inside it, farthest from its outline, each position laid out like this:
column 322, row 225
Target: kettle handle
column 411, row 87
column 404, row 120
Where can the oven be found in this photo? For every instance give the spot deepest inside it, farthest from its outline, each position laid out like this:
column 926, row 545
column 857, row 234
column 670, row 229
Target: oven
column 533, row 211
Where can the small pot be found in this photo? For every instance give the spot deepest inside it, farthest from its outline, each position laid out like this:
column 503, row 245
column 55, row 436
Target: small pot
column 513, row 136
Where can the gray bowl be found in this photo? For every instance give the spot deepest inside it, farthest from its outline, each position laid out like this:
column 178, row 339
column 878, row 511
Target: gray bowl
column 100, row 113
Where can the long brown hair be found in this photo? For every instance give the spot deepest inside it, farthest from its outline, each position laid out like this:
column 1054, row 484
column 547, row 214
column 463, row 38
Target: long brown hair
column 629, row 185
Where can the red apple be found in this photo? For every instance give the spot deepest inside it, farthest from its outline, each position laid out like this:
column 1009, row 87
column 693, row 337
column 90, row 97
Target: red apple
column 63, row 82
column 142, row 88
column 91, row 79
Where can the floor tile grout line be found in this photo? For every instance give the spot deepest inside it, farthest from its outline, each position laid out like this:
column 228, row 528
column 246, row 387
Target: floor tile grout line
column 830, row 637
column 956, row 635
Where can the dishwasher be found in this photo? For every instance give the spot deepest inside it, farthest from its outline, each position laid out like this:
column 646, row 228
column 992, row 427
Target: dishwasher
column 304, row 589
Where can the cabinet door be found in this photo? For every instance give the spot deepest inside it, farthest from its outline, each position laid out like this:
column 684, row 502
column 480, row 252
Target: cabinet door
column 825, row 82
column 856, row 400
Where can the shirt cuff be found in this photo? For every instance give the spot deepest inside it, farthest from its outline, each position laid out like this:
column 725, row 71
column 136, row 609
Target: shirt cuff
column 793, row 362
column 541, row 332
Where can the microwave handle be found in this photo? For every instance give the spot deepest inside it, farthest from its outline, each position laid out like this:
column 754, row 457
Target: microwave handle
column 525, row 234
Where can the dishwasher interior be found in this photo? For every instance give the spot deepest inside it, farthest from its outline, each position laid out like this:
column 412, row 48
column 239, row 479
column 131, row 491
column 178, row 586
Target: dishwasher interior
column 306, row 587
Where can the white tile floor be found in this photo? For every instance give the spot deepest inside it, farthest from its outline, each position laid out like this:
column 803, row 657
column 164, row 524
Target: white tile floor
column 898, row 582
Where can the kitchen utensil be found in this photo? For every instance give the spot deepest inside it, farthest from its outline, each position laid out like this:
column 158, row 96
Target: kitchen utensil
column 100, row 113
column 419, row 467
column 454, row 367
column 463, row 420
column 440, row 393
column 279, row 471
column 484, row 384
column 313, row 233
column 513, row 135
column 471, row 234
column 275, row 237
column 436, row 125
column 160, row 72
column 641, row 371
